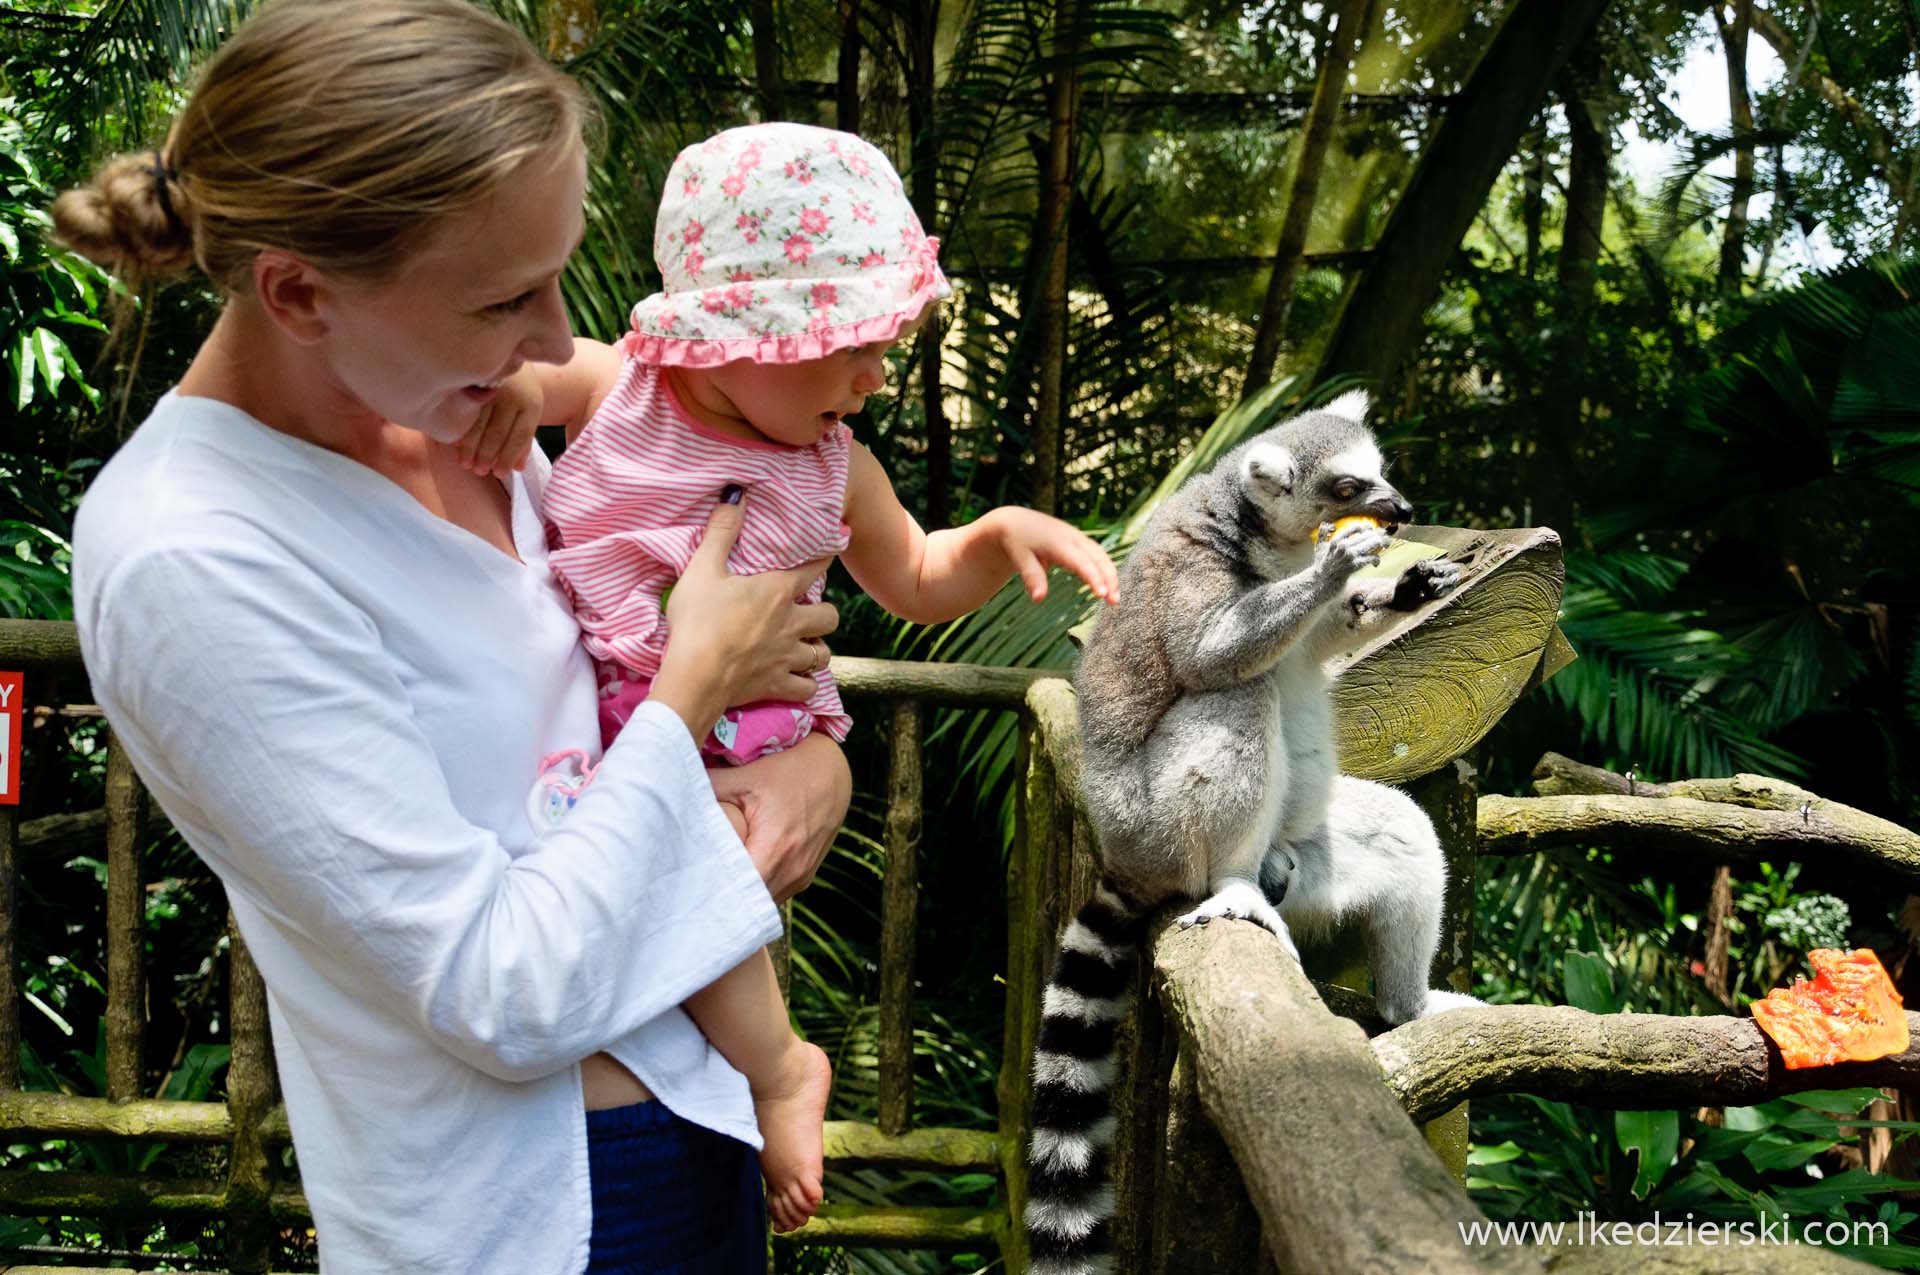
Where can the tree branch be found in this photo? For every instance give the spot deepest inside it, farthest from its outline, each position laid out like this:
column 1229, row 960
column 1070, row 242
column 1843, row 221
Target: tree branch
column 1712, row 831
column 1635, row 1062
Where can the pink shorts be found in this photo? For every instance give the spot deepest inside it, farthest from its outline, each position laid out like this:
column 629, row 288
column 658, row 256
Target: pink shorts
column 741, row 735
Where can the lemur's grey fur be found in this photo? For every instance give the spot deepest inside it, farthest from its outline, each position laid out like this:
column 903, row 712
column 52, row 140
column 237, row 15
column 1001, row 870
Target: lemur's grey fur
column 1208, row 772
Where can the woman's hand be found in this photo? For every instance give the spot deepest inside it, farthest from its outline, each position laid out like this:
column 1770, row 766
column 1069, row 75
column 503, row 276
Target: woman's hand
column 794, row 802
column 737, row 639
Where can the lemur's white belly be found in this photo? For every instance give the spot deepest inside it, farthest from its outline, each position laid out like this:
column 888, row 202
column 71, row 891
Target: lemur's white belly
column 1304, row 733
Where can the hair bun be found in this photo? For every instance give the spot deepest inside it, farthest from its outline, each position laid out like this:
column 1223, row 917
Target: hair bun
column 126, row 222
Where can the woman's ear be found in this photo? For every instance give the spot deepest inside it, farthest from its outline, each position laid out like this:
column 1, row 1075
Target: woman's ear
column 290, row 293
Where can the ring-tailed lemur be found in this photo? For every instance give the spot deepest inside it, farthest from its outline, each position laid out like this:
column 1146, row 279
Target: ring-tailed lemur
column 1208, row 771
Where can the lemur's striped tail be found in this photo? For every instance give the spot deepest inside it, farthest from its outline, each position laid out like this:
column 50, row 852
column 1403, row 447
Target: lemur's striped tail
column 1070, row 1188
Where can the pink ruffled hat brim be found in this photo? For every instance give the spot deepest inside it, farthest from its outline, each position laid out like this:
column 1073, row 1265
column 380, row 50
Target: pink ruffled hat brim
column 646, row 341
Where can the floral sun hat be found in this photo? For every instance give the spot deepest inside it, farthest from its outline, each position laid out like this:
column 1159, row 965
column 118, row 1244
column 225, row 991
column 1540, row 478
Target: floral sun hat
column 780, row 243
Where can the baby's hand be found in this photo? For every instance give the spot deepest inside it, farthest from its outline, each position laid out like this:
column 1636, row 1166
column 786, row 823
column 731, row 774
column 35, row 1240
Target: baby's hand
column 500, row 440
column 1034, row 542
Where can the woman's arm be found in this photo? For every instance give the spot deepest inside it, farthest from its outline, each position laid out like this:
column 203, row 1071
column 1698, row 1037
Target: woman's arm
column 269, row 720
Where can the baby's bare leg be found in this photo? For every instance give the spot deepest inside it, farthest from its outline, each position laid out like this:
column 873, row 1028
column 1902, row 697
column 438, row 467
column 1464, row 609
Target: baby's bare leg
column 742, row 1014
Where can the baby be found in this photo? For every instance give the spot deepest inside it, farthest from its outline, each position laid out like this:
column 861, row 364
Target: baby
column 792, row 262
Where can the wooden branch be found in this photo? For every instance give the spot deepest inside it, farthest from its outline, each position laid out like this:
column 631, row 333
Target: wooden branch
column 857, row 1226
column 1631, row 1061
column 1880, row 140
column 1343, row 1182
column 37, row 643
column 1714, row 832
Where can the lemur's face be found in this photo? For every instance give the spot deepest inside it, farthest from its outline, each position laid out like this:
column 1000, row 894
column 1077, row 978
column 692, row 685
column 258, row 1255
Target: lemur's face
column 1297, row 490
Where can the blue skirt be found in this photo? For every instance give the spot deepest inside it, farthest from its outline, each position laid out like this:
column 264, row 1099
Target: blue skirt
column 671, row 1197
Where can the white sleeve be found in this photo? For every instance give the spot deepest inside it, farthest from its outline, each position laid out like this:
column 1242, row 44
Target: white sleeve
column 259, row 702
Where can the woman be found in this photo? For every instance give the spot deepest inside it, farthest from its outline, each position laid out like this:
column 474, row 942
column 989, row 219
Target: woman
column 337, row 658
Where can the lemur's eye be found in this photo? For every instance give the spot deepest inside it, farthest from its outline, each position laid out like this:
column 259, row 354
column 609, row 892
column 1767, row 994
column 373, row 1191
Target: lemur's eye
column 1346, row 490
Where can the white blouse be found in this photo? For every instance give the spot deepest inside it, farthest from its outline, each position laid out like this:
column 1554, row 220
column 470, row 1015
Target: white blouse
column 341, row 701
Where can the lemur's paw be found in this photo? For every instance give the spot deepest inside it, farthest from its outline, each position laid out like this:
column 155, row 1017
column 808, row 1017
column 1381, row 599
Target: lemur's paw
column 1242, row 901
column 1404, row 1009
column 1424, row 581
column 1357, row 545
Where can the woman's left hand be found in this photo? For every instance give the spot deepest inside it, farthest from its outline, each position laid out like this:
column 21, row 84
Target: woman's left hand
column 794, row 802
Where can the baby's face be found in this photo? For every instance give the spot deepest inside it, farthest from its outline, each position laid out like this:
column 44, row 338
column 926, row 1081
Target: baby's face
column 797, row 403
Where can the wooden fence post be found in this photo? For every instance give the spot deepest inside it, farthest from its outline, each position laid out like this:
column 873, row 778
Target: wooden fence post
column 126, row 806
column 899, row 905
column 1450, row 796
column 249, row 1215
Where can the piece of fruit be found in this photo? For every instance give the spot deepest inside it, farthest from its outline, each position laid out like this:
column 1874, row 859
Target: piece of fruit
column 1341, row 524
column 1848, row 1012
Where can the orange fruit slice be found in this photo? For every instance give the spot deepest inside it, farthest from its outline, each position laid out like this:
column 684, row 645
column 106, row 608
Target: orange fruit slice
column 1848, row 1012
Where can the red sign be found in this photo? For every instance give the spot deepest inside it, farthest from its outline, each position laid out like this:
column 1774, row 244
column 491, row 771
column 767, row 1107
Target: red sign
column 12, row 708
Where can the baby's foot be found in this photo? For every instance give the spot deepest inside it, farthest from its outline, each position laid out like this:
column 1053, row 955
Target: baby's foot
column 790, row 1108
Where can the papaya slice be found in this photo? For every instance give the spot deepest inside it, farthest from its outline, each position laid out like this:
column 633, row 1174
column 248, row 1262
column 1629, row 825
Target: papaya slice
column 1848, row 1012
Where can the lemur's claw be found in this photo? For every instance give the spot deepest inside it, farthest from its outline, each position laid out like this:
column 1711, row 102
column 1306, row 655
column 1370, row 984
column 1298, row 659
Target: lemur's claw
column 1426, row 581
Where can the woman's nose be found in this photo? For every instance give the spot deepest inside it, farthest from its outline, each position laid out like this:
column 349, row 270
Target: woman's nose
column 550, row 337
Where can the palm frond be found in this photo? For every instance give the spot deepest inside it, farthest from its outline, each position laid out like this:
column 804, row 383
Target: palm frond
column 120, row 76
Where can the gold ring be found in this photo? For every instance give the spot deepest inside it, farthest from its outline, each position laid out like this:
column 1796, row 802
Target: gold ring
column 820, row 657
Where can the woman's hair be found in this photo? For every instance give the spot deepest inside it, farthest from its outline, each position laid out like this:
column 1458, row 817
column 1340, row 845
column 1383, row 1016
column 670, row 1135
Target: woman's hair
column 340, row 131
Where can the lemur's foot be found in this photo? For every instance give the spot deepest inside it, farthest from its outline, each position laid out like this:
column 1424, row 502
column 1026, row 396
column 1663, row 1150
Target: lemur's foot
column 790, row 1108
column 1424, row 581
column 1242, row 901
column 1404, row 1009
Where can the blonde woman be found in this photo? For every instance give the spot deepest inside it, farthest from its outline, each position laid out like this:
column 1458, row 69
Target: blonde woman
column 336, row 655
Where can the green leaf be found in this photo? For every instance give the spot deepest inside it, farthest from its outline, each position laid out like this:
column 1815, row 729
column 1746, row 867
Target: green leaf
column 1590, row 984
column 23, row 363
column 1653, row 1137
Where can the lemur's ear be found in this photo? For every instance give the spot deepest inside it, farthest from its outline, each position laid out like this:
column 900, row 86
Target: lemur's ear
column 1270, row 466
column 1352, row 405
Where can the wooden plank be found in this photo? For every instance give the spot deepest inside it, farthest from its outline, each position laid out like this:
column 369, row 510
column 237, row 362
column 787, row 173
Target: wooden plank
column 1449, row 796
column 899, row 918
column 126, row 803
column 1433, row 682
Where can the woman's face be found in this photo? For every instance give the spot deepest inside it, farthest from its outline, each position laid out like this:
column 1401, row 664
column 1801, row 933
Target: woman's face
column 428, row 348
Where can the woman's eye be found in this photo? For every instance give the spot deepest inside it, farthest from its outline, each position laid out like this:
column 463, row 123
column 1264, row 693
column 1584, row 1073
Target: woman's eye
column 510, row 305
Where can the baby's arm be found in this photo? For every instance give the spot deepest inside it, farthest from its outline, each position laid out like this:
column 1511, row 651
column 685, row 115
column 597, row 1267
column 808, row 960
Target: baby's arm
column 930, row 578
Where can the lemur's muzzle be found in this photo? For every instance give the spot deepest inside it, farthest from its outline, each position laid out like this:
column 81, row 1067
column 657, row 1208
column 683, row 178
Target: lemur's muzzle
column 1391, row 508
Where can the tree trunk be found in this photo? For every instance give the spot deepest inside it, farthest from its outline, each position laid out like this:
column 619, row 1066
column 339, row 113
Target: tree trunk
column 1719, row 910
column 1533, row 185
column 766, row 58
column 1056, row 204
column 1733, row 38
column 846, row 115
column 923, row 22
column 1560, row 438
column 1381, row 322
column 1330, row 85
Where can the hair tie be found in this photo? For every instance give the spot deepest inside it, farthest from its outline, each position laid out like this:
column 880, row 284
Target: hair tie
column 161, row 175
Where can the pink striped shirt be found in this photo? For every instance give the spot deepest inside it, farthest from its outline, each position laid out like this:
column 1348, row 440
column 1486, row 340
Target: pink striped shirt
column 629, row 499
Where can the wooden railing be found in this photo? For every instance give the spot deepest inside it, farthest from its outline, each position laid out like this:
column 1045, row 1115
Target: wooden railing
column 252, row 1126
